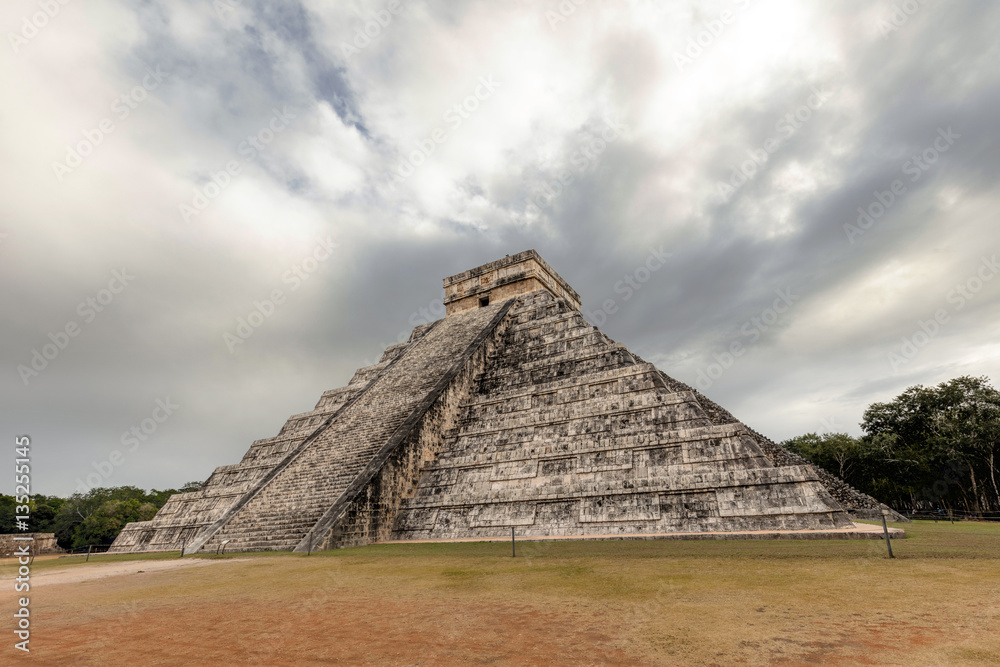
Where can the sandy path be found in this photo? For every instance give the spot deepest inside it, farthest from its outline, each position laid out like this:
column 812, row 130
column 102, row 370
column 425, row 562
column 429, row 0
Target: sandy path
column 90, row 571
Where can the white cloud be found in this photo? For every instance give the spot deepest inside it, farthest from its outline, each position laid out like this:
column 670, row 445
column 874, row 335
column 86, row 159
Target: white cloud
column 356, row 119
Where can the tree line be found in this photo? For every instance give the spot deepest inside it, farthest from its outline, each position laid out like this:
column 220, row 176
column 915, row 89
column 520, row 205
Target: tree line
column 930, row 449
column 95, row 517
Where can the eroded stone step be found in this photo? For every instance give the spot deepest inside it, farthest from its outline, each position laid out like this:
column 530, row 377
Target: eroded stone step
column 459, row 455
column 542, row 378
column 543, row 413
column 656, row 413
column 695, row 481
column 596, row 377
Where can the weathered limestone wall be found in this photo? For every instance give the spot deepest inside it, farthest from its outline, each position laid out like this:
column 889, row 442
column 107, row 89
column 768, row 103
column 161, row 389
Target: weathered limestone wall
column 43, row 543
column 495, row 293
column 511, row 276
column 857, row 504
column 569, row 434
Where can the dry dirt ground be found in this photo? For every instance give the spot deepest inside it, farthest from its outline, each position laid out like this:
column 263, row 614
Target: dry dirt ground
column 584, row 603
column 100, row 570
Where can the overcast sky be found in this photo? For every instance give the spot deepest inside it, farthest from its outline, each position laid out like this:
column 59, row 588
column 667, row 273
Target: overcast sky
column 167, row 166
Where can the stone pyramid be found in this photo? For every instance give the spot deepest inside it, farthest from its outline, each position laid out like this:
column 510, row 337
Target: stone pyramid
column 511, row 411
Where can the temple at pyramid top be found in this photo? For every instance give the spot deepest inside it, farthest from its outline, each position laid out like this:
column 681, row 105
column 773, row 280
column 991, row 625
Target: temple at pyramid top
column 502, row 279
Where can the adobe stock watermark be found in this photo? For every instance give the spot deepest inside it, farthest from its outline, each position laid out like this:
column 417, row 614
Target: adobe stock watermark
column 630, row 284
column 264, row 309
column 786, row 126
column 832, row 424
column 226, row 8
column 35, row 23
column 586, row 156
column 898, row 16
column 88, row 309
column 752, row 329
column 131, row 440
column 566, row 9
column 454, row 116
column 250, row 148
column 372, row 26
column 24, row 543
column 710, row 31
column 928, row 329
column 434, row 310
column 121, row 108
column 915, row 168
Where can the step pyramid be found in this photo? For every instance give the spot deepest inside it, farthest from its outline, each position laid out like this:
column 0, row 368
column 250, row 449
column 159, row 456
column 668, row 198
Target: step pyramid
column 510, row 412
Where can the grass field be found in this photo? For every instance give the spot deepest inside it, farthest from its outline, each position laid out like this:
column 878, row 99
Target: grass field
column 574, row 603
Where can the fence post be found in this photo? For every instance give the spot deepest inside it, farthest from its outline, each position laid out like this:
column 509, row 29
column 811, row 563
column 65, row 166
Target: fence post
column 513, row 549
column 885, row 529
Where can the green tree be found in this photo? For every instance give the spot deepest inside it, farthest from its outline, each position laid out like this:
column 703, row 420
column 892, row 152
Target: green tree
column 160, row 498
column 941, row 434
column 104, row 524
column 837, row 453
column 7, row 510
column 927, row 448
column 97, row 516
column 42, row 511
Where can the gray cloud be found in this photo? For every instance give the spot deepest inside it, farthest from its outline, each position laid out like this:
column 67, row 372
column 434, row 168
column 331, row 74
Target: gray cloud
column 470, row 201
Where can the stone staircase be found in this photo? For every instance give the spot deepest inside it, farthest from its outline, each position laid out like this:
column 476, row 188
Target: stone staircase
column 186, row 516
column 281, row 513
